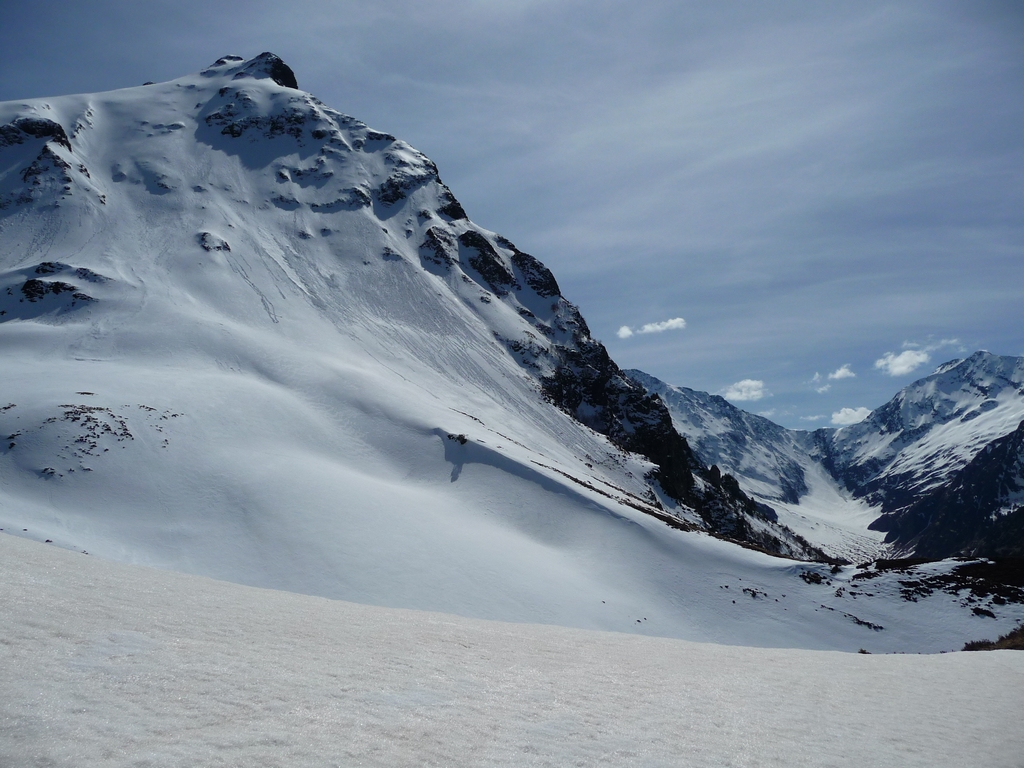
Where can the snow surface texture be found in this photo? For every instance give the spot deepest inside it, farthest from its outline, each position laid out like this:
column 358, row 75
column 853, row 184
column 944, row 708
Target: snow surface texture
column 295, row 368
column 105, row 664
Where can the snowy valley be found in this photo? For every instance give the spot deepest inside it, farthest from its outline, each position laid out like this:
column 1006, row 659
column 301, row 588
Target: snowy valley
column 877, row 488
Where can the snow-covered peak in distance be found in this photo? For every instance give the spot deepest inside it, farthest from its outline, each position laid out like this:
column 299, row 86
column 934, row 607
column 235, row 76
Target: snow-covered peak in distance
column 767, row 457
column 930, row 429
column 830, row 484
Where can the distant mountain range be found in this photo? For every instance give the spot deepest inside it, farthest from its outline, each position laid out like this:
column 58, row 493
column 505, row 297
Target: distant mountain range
column 938, row 466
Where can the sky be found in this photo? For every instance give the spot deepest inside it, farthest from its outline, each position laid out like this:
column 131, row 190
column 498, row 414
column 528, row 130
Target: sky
column 801, row 206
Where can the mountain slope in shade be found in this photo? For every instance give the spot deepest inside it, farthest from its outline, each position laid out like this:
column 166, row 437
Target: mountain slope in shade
column 980, row 511
column 770, row 460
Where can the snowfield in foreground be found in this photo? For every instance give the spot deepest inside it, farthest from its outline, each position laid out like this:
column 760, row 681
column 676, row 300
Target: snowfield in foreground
column 107, row 664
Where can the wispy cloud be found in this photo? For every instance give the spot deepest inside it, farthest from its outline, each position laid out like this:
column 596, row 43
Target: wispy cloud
column 843, row 372
column 819, row 417
column 673, row 324
column 748, row 389
column 846, row 416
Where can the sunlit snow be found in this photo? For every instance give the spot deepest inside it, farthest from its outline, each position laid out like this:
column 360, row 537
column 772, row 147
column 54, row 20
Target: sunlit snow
column 113, row 665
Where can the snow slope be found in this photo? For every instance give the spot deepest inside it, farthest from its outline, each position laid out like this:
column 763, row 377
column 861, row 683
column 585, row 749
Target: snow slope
column 248, row 337
column 112, row 665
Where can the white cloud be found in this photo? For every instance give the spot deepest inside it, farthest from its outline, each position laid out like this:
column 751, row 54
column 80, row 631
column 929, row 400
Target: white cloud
column 913, row 357
column 767, row 414
column 846, row 416
column 819, row 417
column 823, row 389
column 673, row 324
column 842, row 373
column 903, row 363
column 748, row 389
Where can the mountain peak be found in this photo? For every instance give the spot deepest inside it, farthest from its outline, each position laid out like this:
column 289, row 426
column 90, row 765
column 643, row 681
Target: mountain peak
column 266, row 65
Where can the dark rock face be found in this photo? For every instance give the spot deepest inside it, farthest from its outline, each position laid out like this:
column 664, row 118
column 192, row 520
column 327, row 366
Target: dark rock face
column 48, row 175
column 438, row 247
column 406, row 176
column 235, row 118
column 34, row 289
column 397, row 186
column 33, row 293
column 488, row 263
column 451, row 207
column 535, row 274
column 979, row 512
column 590, row 386
column 234, row 113
column 269, row 65
column 210, row 242
column 34, row 127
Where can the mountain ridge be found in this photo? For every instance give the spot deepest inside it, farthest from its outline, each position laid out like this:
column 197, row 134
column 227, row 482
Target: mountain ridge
column 896, row 460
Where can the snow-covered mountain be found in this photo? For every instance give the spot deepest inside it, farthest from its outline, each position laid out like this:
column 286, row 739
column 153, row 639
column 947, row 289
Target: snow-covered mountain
column 929, row 430
column 235, row 195
column 884, row 472
column 247, row 336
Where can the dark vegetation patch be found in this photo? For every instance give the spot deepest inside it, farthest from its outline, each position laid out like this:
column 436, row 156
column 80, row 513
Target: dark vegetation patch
column 1011, row 641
